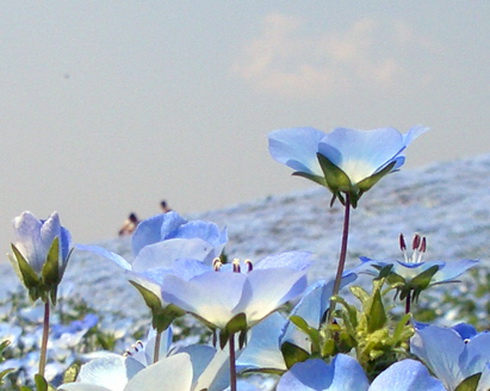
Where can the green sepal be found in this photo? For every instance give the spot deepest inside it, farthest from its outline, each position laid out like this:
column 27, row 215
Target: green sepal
column 50, row 271
column 336, row 179
column 384, row 271
column 315, row 178
column 27, row 274
column 237, row 324
column 470, row 383
column 339, row 182
column 422, row 281
column 369, row 182
column 162, row 317
column 293, row 354
column 71, row 373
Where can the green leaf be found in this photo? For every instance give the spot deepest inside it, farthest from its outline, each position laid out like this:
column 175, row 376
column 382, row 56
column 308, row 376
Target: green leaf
column 312, row 332
column 376, row 316
column 470, row 383
column 293, row 354
column 360, row 293
column 29, row 276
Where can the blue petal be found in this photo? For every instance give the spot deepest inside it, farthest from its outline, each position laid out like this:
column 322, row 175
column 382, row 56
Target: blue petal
column 444, row 363
column 271, row 288
column 155, row 229
column 296, row 260
column 465, row 330
column 453, row 269
column 262, row 349
column 342, row 374
column 212, row 296
column 116, row 258
column 406, row 375
column 112, row 371
column 173, row 373
column 297, row 148
column 478, row 354
column 361, row 153
column 163, row 254
column 413, row 133
column 28, row 240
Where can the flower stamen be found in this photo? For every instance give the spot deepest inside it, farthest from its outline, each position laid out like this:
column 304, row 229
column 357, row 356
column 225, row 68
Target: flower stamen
column 217, row 264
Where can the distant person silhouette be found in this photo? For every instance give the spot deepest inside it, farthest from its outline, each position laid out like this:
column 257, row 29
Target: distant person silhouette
column 129, row 225
column 165, row 207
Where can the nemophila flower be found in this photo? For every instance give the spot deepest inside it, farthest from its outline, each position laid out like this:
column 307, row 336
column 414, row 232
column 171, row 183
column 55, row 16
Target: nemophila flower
column 412, row 274
column 453, row 354
column 168, row 226
column 347, row 161
column 345, row 374
column 115, row 373
column 40, row 253
column 166, row 244
column 235, row 300
column 196, row 367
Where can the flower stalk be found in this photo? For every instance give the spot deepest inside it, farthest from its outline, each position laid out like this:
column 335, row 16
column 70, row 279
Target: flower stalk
column 342, row 256
column 156, row 352
column 233, row 379
column 44, row 343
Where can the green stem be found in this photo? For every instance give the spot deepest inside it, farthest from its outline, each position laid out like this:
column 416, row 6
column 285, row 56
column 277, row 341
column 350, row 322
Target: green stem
column 44, row 343
column 342, row 257
column 156, row 351
column 233, row 380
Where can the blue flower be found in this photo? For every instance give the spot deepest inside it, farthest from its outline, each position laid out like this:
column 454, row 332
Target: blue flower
column 195, row 367
column 162, row 239
column 413, row 274
column 348, row 161
column 34, row 239
column 168, row 243
column 345, row 374
column 453, row 354
column 40, row 253
column 219, row 296
column 171, row 225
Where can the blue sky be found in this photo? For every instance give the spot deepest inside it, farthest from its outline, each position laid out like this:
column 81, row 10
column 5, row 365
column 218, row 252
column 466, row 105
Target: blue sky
column 110, row 106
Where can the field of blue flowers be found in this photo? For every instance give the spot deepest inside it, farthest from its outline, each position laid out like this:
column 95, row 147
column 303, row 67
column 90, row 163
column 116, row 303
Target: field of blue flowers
column 210, row 321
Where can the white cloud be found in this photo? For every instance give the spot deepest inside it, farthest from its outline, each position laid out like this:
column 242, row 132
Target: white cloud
column 285, row 60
